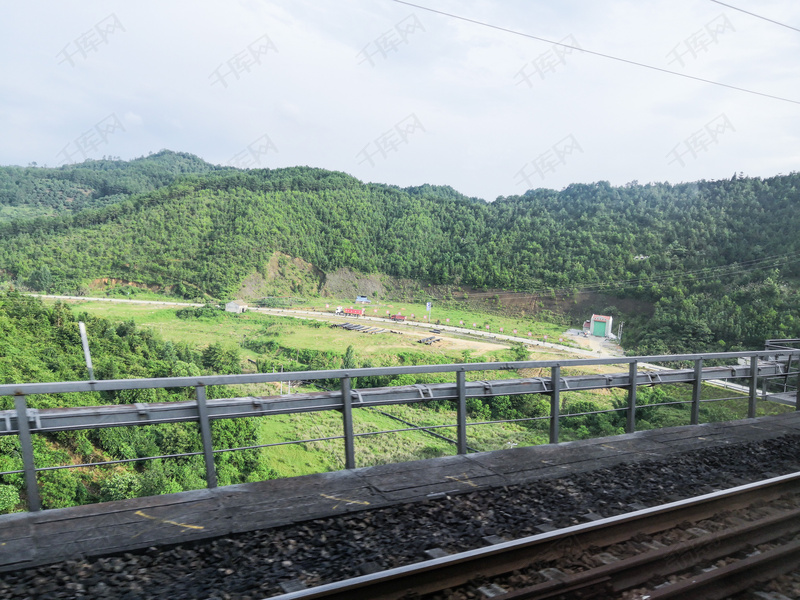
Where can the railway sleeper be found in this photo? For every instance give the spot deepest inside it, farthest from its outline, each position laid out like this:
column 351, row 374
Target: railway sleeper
column 615, row 577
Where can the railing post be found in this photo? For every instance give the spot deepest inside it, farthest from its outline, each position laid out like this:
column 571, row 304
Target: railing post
column 555, row 400
column 751, row 405
column 26, row 445
column 347, row 420
column 205, row 436
column 86, row 353
column 697, row 389
column 630, row 425
column 797, row 391
column 461, row 415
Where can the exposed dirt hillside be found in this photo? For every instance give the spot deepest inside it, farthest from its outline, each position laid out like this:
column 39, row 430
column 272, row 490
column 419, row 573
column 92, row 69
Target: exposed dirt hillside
column 285, row 276
column 282, row 276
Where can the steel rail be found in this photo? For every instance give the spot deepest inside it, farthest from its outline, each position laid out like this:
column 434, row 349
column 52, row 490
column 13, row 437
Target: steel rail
column 638, row 570
column 89, row 417
column 733, row 578
column 450, row 571
column 24, row 421
column 26, row 389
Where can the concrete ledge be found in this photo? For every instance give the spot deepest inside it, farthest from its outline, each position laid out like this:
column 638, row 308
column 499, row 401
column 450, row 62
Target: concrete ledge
column 33, row 539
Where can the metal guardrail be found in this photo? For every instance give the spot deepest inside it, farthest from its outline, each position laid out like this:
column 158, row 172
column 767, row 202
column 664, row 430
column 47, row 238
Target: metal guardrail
column 782, row 344
column 24, row 421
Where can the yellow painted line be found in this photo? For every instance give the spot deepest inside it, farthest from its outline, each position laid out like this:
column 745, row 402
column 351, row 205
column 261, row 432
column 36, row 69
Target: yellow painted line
column 462, row 479
column 345, row 500
column 186, row 525
column 152, row 518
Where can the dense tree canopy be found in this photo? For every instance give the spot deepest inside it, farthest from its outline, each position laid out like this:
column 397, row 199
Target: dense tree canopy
column 31, row 192
column 42, row 343
column 718, row 258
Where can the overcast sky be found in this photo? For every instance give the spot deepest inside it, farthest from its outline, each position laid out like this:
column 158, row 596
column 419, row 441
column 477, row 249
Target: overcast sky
column 396, row 94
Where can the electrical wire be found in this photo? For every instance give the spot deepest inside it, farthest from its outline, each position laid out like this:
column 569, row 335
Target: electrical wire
column 703, row 274
column 739, row 267
column 733, row 268
column 594, row 53
column 697, row 275
column 755, row 15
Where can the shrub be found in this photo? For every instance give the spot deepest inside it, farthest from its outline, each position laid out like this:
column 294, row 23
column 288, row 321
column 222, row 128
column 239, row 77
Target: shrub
column 119, row 486
column 9, row 498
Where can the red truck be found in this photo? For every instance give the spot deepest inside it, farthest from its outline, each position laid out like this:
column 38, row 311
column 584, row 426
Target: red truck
column 354, row 312
column 398, row 317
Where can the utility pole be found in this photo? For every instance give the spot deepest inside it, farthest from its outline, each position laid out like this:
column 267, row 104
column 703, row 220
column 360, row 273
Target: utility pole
column 619, row 330
column 87, row 355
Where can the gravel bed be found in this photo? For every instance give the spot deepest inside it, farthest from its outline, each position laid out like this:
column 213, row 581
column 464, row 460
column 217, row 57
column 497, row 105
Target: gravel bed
column 785, row 587
column 253, row 565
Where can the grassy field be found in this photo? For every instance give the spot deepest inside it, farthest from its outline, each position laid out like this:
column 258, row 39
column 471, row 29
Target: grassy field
column 445, row 313
column 296, row 335
column 416, row 313
column 450, row 315
column 299, row 334
column 383, row 448
column 400, row 446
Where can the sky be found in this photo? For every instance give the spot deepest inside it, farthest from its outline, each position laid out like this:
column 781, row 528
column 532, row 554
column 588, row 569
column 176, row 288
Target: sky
column 398, row 94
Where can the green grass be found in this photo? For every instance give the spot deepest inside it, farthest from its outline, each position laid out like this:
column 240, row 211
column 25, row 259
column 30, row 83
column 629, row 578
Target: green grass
column 328, row 455
column 289, row 331
column 449, row 313
column 383, row 349
column 473, row 320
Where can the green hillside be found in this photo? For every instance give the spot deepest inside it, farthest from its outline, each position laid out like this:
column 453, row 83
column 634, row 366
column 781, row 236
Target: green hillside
column 41, row 342
column 718, row 260
column 29, row 192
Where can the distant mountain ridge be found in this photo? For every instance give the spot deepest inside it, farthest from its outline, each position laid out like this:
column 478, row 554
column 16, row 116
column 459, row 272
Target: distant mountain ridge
column 719, row 259
column 28, row 192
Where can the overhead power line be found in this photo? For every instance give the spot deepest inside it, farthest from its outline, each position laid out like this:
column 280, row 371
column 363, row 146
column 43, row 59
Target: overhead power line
column 674, row 277
column 756, row 16
column 594, row 53
column 739, row 267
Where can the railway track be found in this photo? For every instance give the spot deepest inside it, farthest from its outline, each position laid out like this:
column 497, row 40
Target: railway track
column 709, row 547
column 265, row 563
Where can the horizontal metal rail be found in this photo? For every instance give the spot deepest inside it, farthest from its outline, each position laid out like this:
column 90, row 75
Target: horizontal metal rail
column 23, row 422
column 27, row 389
column 782, row 344
column 91, row 417
column 450, row 571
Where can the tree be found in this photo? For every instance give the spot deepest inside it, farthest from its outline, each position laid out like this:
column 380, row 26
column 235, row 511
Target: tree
column 41, row 279
column 349, row 360
column 222, row 359
column 9, row 498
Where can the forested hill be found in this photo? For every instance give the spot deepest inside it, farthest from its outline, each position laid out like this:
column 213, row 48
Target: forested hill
column 720, row 259
column 27, row 192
